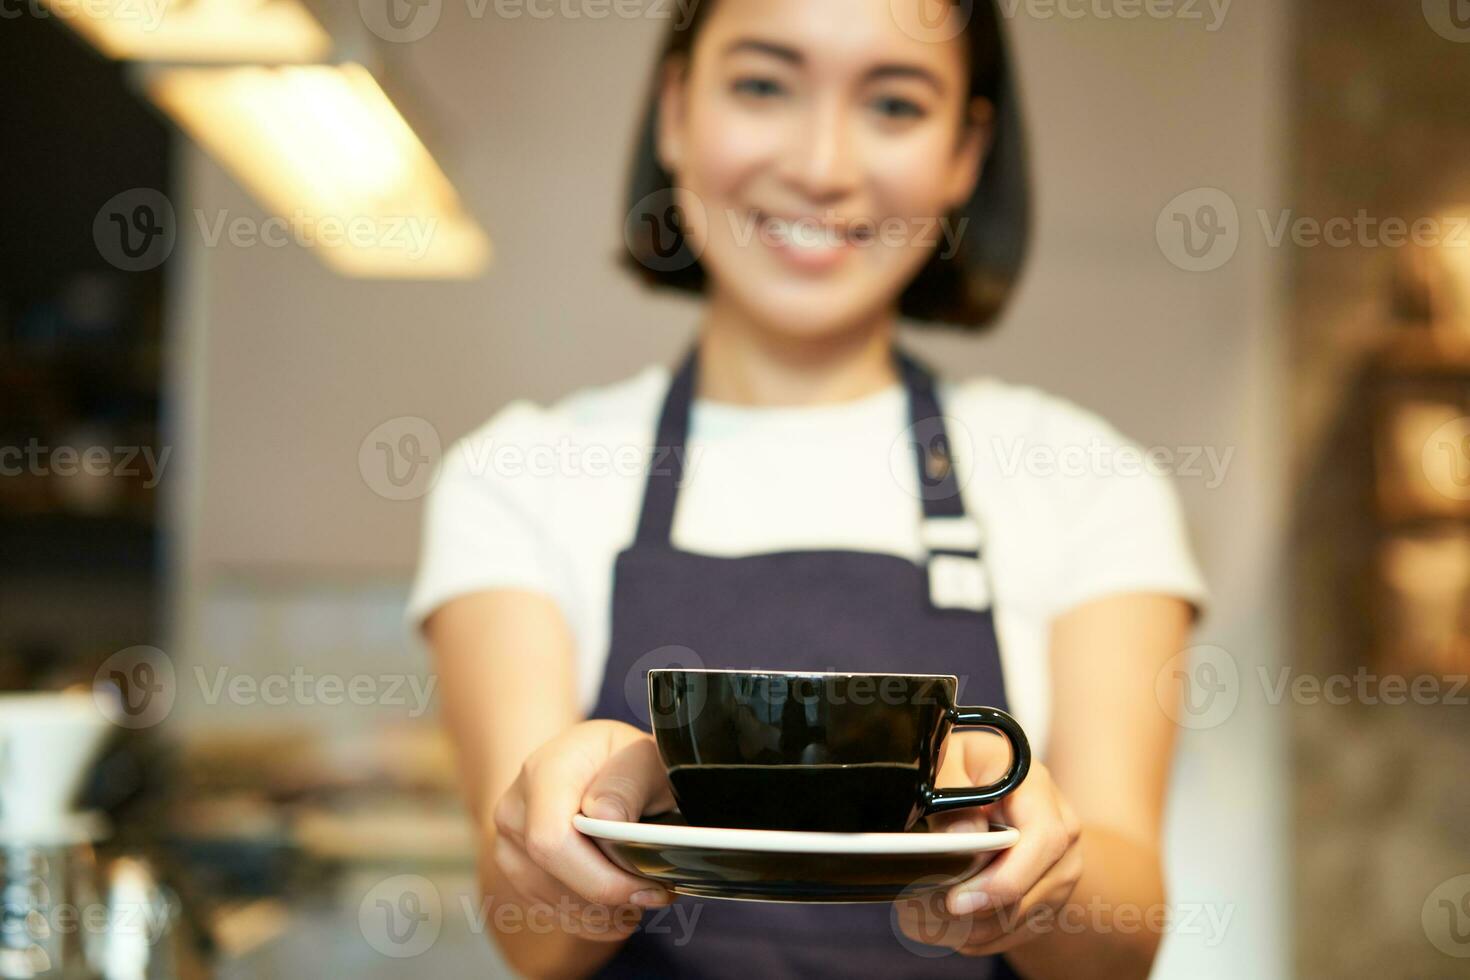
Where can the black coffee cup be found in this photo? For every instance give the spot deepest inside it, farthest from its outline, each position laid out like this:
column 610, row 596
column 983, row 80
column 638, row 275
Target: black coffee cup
column 816, row 751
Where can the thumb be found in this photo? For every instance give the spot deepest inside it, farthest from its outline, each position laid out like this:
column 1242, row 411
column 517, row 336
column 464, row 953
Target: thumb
column 630, row 783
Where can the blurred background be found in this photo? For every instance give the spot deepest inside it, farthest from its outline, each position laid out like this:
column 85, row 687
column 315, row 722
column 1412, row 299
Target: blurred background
column 221, row 402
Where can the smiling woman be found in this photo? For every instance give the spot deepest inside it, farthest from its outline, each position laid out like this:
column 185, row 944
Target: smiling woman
column 908, row 90
column 839, row 512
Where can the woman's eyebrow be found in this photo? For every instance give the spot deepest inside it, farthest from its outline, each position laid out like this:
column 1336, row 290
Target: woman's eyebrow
column 771, row 48
column 792, row 56
column 916, row 72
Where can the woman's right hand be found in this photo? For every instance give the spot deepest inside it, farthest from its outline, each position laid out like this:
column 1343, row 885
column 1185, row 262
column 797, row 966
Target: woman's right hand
column 605, row 769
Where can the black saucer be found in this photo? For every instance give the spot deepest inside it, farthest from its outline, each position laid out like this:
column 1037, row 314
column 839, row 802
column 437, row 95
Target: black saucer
column 792, row 866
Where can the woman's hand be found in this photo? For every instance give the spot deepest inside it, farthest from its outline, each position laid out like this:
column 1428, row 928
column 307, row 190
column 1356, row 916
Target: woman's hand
column 604, row 769
column 1017, row 896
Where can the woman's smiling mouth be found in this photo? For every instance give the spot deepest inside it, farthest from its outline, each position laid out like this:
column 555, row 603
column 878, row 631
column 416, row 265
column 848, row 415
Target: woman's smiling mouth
column 809, row 243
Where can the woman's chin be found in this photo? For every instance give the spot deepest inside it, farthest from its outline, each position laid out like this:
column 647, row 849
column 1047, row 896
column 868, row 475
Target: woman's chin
column 811, row 315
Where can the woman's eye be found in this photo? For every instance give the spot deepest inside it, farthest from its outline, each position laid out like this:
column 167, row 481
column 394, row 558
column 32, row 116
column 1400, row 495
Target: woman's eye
column 760, row 88
column 894, row 107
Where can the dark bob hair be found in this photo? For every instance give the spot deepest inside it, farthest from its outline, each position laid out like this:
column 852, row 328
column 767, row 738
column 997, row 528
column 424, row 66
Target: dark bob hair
column 966, row 289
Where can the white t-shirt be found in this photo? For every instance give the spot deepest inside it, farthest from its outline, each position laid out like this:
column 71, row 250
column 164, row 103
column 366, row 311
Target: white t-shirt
column 545, row 498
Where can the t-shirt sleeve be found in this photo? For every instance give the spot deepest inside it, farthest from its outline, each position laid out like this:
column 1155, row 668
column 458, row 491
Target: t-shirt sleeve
column 485, row 520
column 1122, row 526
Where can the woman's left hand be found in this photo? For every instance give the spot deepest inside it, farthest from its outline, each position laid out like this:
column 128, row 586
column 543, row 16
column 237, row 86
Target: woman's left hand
column 1018, row 896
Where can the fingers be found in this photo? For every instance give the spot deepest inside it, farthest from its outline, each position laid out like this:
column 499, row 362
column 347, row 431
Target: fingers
column 1047, row 833
column 630, row 783
column 537, row 816
column 1015, row 896
column 1038, row 913
column 971, row 820
column 927, row 919
column 978, row 758
column 922, row 918
column 542, row 896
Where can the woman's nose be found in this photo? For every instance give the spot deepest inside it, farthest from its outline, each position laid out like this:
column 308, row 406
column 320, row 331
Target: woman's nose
column 819, row 160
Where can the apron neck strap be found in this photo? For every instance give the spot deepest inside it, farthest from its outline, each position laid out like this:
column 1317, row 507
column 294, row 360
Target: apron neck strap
column 937, row 487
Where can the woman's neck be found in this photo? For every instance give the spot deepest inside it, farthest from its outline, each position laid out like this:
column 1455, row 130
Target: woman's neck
column 743, row 363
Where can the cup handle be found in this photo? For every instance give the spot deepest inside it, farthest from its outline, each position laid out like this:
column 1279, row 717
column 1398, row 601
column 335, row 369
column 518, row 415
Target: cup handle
column 940, row 800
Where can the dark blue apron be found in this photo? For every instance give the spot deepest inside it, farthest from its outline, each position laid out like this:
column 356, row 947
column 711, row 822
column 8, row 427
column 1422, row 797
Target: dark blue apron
column 798, row 610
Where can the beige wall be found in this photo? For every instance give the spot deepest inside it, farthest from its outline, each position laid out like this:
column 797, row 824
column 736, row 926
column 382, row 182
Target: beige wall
column 290, row 367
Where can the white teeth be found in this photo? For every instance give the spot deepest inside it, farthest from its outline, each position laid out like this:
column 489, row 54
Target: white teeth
column 804, row 235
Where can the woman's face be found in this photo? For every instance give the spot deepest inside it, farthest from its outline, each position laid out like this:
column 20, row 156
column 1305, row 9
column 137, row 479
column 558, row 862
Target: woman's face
column 818, row 149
